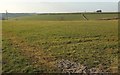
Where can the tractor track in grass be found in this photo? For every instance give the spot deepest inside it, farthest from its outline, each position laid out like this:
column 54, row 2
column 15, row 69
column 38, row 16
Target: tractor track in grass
column 35, row 54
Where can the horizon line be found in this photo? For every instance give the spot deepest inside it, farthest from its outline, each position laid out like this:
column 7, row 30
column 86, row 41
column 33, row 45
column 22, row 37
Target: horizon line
column 67, row 12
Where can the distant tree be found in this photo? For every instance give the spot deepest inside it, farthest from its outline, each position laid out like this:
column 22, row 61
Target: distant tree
column 99, row 11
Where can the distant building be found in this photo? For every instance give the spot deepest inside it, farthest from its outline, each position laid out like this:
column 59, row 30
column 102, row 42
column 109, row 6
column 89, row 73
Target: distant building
column 99, row 11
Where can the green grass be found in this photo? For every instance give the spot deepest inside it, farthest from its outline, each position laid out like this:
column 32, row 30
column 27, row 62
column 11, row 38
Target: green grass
column 15, row 62
column 90, row 42
column 68, row 17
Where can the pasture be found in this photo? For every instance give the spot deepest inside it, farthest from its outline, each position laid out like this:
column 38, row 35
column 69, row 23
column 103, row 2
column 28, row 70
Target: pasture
column 35, row 43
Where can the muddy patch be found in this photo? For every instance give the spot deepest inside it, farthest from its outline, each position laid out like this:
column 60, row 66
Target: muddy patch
column 67, row 66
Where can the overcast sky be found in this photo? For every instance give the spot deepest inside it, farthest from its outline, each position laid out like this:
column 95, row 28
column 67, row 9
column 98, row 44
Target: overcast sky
column 35, row 6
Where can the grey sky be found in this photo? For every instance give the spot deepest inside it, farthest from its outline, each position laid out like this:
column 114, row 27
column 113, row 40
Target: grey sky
column 30, row 6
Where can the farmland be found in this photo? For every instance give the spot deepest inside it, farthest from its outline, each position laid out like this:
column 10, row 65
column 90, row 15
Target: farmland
column 35, row 43
column 68, row 16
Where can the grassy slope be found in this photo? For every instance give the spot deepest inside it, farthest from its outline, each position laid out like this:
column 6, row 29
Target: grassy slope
column 14, row 15
column 68, row 17
column 87, row 42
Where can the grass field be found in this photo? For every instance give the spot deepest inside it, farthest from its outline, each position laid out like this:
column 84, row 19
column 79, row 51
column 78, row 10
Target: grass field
column 67, row 17
column 35, row 43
